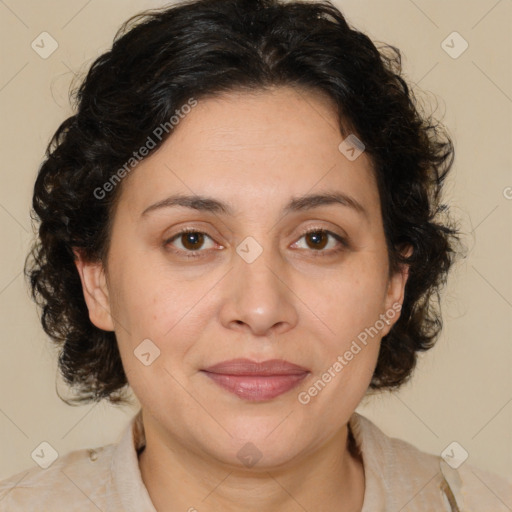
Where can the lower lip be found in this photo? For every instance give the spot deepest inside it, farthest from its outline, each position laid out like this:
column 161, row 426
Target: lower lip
column 257, row 388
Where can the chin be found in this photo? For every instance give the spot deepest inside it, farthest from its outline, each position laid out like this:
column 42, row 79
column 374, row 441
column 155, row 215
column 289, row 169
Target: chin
column 257, row 456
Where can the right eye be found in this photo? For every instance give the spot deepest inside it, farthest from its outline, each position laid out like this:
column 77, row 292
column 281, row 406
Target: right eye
column 191, row 241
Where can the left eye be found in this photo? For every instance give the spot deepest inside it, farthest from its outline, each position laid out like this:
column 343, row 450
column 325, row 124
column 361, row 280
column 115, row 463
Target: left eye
column 319, row 239
column 192, row 241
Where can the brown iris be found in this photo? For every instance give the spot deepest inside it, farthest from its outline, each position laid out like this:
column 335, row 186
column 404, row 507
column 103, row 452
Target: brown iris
column 316, row 237
column 193, row 239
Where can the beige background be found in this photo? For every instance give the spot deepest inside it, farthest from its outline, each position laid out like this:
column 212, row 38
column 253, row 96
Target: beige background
column 462, row 389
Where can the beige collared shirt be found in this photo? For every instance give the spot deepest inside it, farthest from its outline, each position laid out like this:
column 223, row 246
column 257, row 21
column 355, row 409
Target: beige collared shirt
column 398, row 478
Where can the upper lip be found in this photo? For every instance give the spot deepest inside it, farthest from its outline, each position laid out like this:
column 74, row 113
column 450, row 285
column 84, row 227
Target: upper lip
column 249, row 367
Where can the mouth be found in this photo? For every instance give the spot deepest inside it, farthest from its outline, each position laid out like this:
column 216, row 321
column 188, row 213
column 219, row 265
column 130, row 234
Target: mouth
column 255, row 381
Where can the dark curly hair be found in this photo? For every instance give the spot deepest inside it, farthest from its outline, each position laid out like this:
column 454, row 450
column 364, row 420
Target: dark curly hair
column 161, row 58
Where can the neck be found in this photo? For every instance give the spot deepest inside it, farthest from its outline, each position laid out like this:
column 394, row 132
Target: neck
column 331, row 477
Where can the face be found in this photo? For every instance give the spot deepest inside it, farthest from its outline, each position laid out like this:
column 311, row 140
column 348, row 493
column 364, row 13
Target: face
column 248, row 281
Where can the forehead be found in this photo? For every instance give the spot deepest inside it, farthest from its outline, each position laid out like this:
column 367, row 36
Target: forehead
column 251, row 149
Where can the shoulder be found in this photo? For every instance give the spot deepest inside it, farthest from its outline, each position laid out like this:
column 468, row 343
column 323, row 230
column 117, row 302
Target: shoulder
column 411, row 478
column 77, row 481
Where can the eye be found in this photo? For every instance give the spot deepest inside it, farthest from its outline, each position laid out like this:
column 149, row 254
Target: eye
column 192, row 241
column 317, row 240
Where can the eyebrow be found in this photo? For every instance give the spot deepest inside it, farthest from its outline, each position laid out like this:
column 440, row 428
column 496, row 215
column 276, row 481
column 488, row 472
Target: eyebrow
column 296, row 204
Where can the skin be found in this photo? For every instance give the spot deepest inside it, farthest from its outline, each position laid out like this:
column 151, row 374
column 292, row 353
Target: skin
column 255, row 152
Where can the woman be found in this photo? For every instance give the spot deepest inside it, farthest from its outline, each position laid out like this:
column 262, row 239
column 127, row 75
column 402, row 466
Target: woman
column 241, row 223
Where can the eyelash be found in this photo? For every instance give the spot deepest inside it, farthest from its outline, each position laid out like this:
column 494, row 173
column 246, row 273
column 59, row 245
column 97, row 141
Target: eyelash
column 321, row 253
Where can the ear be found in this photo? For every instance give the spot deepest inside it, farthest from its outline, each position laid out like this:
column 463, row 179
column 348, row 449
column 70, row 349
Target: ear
column 395, row 292
column 94, row 286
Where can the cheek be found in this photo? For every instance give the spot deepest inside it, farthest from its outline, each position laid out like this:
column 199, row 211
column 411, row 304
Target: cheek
column 165, row 307
column 148, row 300
column 350, row 307
column 349, row 301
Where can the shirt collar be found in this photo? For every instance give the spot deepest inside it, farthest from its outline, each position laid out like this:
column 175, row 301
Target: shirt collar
column 371, row 450
column 125, row 468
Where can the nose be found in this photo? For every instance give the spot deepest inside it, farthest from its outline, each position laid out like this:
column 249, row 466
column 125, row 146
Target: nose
column 259, row 297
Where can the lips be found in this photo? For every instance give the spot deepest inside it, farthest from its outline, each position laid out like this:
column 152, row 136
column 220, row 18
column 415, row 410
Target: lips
column 256, row 381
